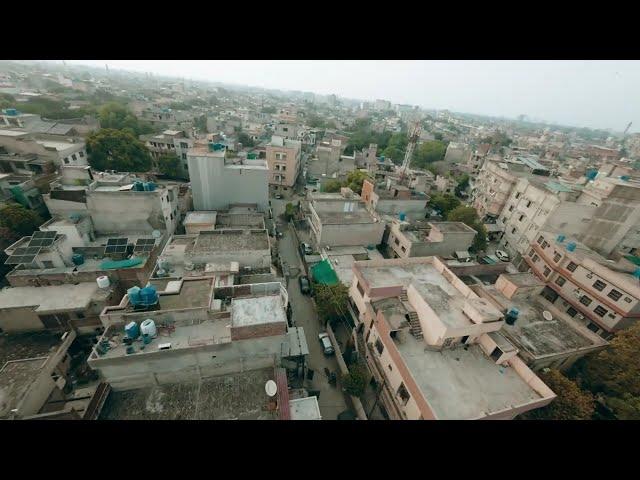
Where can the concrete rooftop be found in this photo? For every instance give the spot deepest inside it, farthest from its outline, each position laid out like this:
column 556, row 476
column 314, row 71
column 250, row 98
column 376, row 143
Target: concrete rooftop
column 257, row 311
column 345, row 218
column 51, row 298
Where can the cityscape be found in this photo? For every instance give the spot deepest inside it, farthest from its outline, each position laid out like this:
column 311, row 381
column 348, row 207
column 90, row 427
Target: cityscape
column 177, row 248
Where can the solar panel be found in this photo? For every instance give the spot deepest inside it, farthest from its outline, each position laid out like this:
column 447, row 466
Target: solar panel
column 19, row 259
column 48, row 234
column 26, row 251
column 117, row 241
column 41, row 242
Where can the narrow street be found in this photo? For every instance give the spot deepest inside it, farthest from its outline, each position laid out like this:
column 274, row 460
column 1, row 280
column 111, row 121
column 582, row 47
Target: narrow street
column 331, row 399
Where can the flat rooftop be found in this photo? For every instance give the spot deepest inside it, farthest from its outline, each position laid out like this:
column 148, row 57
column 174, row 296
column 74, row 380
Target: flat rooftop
column 228, row 241
column 193, row 294
column 257, row 311
column 51, row 298
column 239, row 396
column 200, row 217
column 345, row 218
column 461, row 384
column 305, row 409
column 523, row 279
column 452, row 227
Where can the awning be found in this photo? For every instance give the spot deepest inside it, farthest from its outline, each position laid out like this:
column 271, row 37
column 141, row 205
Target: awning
column 324, row 274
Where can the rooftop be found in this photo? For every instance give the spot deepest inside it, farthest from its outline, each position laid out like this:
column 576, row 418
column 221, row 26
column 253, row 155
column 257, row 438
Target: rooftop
column 192, row 294
column 200, row 218
column 51, row 298
column 452, row 227
column 305, row 409
column 257, row 311
column 228, row 240
column 346, row 218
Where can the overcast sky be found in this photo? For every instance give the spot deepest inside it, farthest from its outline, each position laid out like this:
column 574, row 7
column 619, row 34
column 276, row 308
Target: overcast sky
column 596, row 94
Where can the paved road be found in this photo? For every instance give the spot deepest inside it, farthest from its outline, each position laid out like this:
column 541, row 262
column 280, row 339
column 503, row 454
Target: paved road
column 331, row 400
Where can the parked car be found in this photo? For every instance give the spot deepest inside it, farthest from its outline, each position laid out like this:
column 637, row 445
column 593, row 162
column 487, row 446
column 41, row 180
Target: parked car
column 305, row 249
column 325, row 341
column 278, row 196
column 504, row 256
column 305, row 284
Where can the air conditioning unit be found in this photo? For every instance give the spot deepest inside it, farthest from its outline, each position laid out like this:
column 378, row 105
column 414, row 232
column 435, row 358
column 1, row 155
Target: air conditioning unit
column 580, row 316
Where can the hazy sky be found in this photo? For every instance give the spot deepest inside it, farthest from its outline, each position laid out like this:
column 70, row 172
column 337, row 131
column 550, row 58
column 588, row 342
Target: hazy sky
column 597, row 94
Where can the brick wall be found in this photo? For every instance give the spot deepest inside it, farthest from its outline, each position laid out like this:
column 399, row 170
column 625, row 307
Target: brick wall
column 257, row 331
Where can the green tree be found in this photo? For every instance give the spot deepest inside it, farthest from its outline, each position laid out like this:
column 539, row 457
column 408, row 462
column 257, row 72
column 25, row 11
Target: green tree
column 332, row 186
column 201, row 123
column 6, row 100
column 314, row 121
column 119, row 150
column 355, row 382
column 463, row 183
column 19, row 220
column 271, row 110
column 332, row 301
column 289, row 211
column 118, row 117
column 613, row 374
column 429, row 152
column 444, row 203
column 571, row 402
column 331, row 124
column 245, row 140
column 438, row 136
column 469, row 216
column 169, row 165
column 355, row 179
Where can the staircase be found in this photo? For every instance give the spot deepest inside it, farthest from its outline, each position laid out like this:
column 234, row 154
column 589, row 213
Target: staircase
column 403, row 295
column 414, row 321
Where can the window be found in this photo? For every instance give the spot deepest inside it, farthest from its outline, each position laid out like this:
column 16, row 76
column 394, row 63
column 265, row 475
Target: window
column 360, row 289
column 66, row 160
column 627, row 299
column 549, row 294
column 283, row 167
column 403, row 248
column 557, row 257
column 546, row 271
column 540, row 240
column 593, row 327
column 572, row 267
column 598, row 285
column 615, row 294
column 81, row 153
column 184, row 156
column 600, row 311
column 390, row 369
column 585, row 300
column 511, row 208
column 513, row 231
column 528, row 203
column 80, row 315
column 532, row 252
column 74, row 157
column 560, row 281
column 397, row 242
column 186, row 166
column 183, row 145
column 521, row 218
column 571, row 312
column 544, row 244
column 517, row 194
column 535, row 258
column 379, row 346
column 403, row 394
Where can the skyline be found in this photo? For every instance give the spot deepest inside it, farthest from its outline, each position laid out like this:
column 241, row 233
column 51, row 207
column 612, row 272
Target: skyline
column 594, row 94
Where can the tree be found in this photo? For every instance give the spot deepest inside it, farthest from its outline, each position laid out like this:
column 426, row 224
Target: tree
column 6, row 100
column 268, row 110
column 331, row 124
column 169, row 165
column 119, row 150
column 469, row 216
column 19, row 220
column 571, row 402
column 118, row 117
column 438, row 136
column 289, row 211
column 429, row 152
column 332, row 301
column 355, row 382
column 245, row 140
column 355, row 179
column 332, row 186
column 444, row 203
column 613, row 375
column 463, row 183
column 314, row 121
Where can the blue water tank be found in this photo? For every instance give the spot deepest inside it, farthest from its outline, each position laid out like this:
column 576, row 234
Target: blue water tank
column 11, row 111
column 138, row 186
column 77, row 259
column 571, row 246
column 148, row 295
column 402, row 216
column 636, row 273
column 626, row 178
column 134, row 296
column 132, row 330
column 560, row 238
column 511, row 316
column 591, row 174
column 149, row 186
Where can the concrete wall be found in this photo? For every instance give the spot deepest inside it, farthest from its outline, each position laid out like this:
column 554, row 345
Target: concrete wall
column 214, row 187
column 355, row 234
column 20, row 320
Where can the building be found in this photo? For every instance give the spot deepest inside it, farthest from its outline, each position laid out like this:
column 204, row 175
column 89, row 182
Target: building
column 433, row 346
column 382, row 105
column 61, row 150
column 205, row 327
column 445, row 185
column 23, row 178
column 595, row 291
column 169, row 142
column 545, row 336
column 330, row 213
column 392, row 199
column 424, row 239
column 168, row 119
column 283, row 160
column 217, row 179
column 457, row 153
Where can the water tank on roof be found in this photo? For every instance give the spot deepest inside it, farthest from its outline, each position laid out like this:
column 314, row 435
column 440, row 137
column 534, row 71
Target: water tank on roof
column 134, row 296
column 591, row 174
column 138, row 186
column 149, row 186
column 636, row 273
column 132, row 330
column 148, row 327
column 402, row 216
column 571, row 246
column 560, row 238
column 148, row 295
column 74, row 217
column 511, row 316
column 11, row 111
column 77, row 259
column 103, row 281
column 626, row 178
column 156, row 234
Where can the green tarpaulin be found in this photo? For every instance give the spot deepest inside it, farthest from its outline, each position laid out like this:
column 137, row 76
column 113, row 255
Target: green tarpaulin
column 113, row 264
column 324, row 274
column 633, row 259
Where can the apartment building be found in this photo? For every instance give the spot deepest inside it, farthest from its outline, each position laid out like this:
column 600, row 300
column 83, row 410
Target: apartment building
column 218, row 179
column 433, row 346
column 423, row 239
column 62, row 150
column 585, row 285
column 391, row 199
column 457, row 153
column 170, row 142
column 283, row 160
column 536, row 204
column 445, row 185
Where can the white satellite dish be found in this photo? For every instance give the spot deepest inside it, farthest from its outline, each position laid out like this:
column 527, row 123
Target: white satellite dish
column 547, row 315
column 271, row 388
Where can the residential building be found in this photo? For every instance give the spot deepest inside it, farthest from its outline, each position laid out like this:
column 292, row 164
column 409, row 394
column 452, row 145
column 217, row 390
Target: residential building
column 168, row 119
column 169, row 142
column 283, row 160
column 217, row 179
column 445, row 185
column 60, row 149
column 423, row 239
column 457, row 153
column 393, row 199
column 382, row 105
column 597, row 292
column 433, row 346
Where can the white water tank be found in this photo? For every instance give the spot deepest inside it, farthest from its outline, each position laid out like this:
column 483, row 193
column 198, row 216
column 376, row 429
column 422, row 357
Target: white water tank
column 148, row 327
column 103, row 281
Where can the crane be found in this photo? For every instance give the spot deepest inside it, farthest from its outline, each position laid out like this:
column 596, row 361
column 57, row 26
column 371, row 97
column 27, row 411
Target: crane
column 626, row 130
column 414, row 135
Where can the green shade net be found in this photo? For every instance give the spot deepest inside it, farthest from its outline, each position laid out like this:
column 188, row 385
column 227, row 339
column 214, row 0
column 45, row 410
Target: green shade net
column 633, row 259
column 324, row 274
column 113, row 264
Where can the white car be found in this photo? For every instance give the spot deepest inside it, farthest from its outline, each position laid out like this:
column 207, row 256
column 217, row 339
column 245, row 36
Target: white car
column 504, row 256
column 326, row 343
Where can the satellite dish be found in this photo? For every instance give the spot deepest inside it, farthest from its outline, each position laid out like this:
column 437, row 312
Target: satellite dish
column 547, row 315
column 271, row 388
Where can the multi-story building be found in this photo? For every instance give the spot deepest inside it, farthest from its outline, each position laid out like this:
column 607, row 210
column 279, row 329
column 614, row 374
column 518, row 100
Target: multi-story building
column 283, row 160
column 433, row 346
column 382, row 105
column 424, row 239
column 217, row 179
column 445, row 185
column 60, row 149
column 392, row 199
column 600, row 294
column 169, row 142
column 457, row 153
